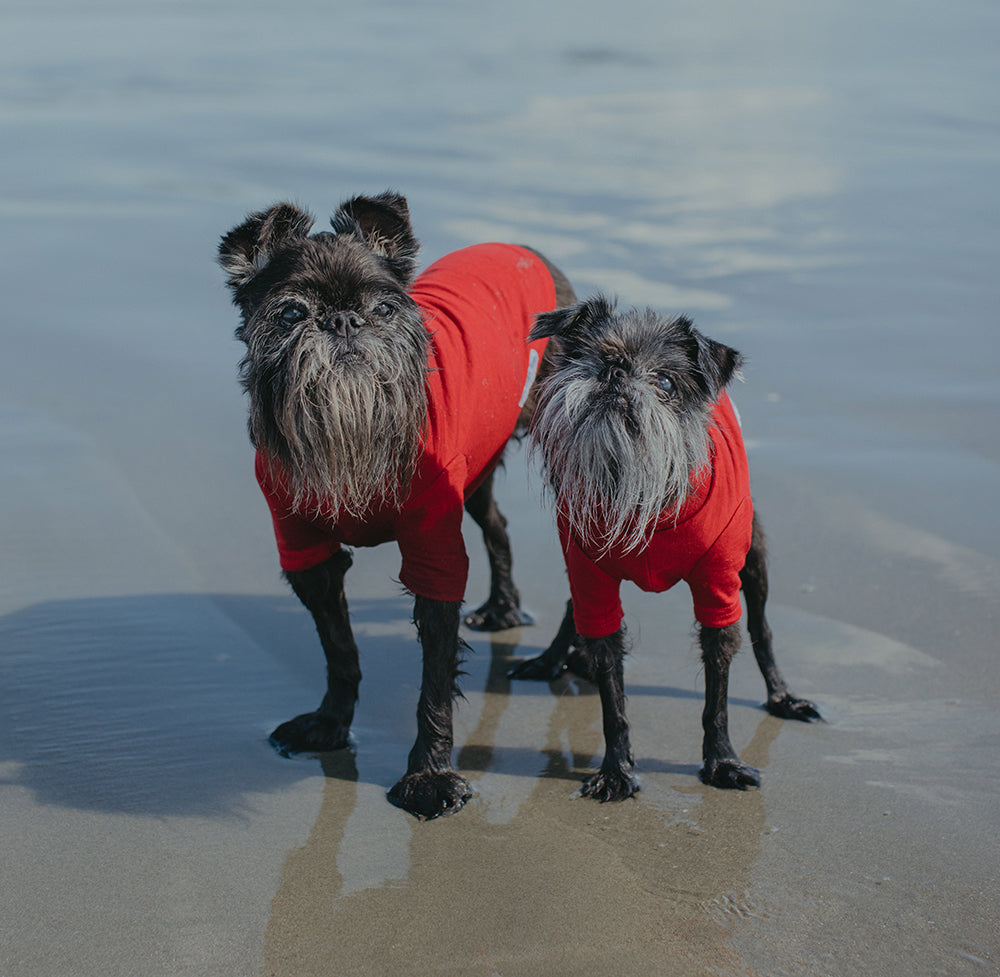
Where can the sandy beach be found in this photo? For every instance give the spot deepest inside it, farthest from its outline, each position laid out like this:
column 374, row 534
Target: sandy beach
column 816, row 188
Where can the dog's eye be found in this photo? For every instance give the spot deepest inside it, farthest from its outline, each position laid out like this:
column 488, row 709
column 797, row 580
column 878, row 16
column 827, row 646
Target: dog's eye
column 291, row 314
column 385, row 310
column 665, row 384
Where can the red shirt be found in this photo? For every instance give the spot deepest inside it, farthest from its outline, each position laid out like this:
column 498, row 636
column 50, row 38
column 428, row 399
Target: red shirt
column 706, row 546
column 478, row 305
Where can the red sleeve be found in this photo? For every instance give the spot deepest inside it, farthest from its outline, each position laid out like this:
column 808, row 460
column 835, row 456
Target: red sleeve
column 715, row 578
column 302, row 544
column 429, row 533
column 597, row 606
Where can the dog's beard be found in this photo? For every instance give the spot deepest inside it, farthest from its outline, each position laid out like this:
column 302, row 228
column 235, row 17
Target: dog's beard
column 343, row 419
column 616, row 467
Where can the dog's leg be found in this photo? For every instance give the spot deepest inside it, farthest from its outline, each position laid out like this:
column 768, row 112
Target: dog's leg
column 321, row 589
column 753, row 577
column 431, row 788
column 722, row 767
column 552, row 662
column 604, row 659
column 503, row 608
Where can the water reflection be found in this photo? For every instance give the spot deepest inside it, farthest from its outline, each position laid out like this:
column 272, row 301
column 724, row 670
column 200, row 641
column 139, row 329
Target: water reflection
column 679, row 872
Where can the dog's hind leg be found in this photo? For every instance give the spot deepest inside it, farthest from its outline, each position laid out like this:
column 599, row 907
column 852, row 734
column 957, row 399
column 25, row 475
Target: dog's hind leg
column 721, row 767
column 605, row 659
column 753, row 578
column 321, row 589
column 503, row 607
column 431, row 788
column 552, row 662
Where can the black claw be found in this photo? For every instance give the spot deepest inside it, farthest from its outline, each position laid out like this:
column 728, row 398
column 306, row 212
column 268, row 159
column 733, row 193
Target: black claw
column 430, row 795
column 730, row 774
column 491, row 617
column 309, row 733
column 537, row 669
column 787, row 706
column 605, row 786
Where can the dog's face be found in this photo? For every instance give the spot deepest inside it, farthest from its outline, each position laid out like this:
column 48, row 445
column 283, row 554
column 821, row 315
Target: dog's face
column 623, row 417
column 336, row 349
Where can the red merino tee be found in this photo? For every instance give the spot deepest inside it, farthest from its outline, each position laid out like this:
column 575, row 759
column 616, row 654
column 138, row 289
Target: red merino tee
column 706, row 546
column 478, row 305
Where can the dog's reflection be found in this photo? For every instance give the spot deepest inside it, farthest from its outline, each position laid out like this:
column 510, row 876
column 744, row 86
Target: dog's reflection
column 559, row 883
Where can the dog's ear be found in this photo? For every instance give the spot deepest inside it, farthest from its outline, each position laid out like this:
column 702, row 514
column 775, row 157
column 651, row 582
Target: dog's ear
column 383, row 223
column 717, row 363
column 572, row 320
column 246, row 250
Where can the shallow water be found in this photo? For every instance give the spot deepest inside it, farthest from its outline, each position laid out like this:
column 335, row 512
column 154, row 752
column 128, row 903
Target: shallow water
column 814, row 184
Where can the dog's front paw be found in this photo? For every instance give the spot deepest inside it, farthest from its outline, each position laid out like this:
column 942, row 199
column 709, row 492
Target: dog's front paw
column 787, row 706
column 497, row 617
column 431, row 794
column 544, row 668
column 610, row 785
column 311, row 732
column 729, row 773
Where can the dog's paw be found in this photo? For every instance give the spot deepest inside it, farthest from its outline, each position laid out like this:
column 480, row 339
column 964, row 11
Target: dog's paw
column 729, row 773
column 610, row 785
column 497, row 617
column 544, row 668
column 310, row 733
column 430, row 794
column 788, row 706
column 582, row 665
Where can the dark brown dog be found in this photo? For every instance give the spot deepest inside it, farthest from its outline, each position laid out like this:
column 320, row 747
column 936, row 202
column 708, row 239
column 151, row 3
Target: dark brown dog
column 646, row 464
column 380, row 405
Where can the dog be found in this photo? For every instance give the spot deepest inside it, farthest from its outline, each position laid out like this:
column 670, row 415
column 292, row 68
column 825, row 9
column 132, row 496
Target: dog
column 644, row 459
column 380, row 404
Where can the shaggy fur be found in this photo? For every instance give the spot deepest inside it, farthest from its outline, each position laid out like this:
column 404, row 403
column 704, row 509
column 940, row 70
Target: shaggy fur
column 335, row 369
column 614, row 458
column 336, row 353
column 622, row 429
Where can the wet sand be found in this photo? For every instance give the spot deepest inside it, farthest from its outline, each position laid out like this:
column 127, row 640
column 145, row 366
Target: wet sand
column 813, row 188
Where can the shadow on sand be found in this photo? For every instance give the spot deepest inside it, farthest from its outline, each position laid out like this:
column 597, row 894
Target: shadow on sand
column 161, row 705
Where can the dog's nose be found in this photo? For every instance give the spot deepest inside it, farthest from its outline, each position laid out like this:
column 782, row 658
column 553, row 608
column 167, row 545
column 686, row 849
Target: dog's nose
column 617, row 373
column 343, row 323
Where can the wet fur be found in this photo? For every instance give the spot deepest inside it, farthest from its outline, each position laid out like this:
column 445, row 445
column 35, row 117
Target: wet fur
column 340, row 407
column 334, row 370
column 622, row 430
column 614, row 457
